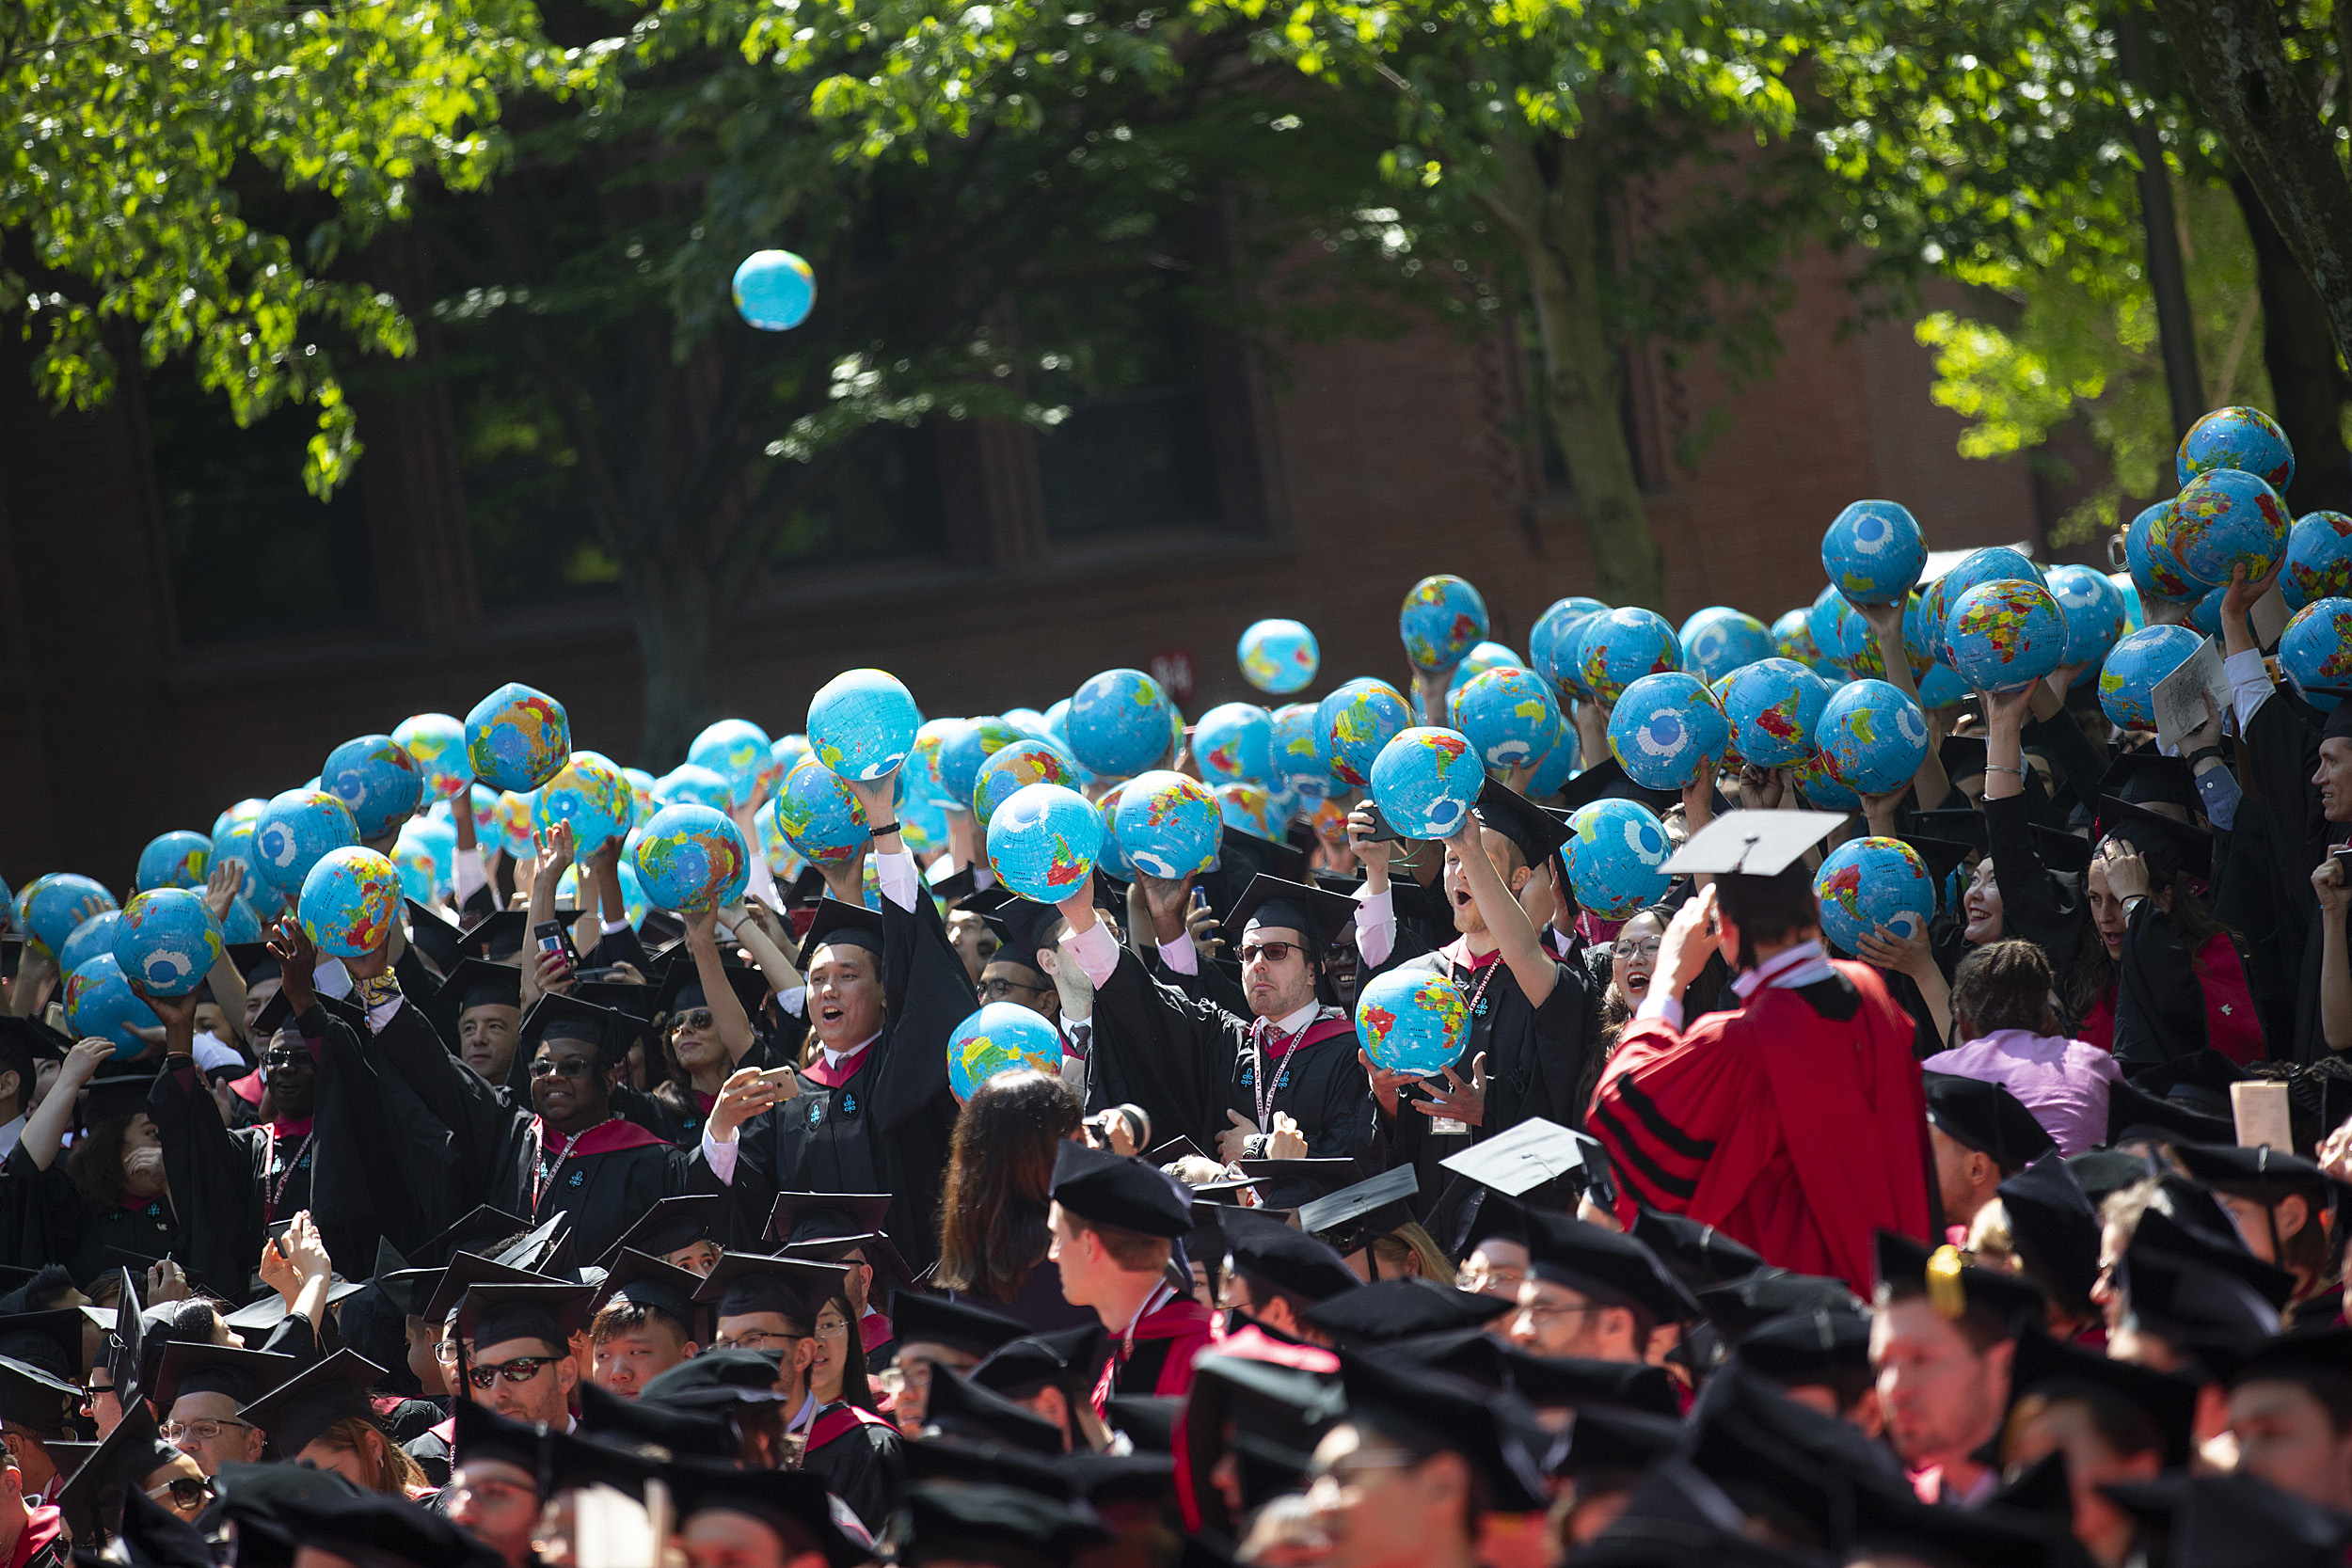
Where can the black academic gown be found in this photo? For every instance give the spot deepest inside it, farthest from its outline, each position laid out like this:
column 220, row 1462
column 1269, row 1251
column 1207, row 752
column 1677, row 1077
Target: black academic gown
column 218, row 1180
column 41, row 1212
column 2280, row 750
column 2161, row 1010
column 860, row 1457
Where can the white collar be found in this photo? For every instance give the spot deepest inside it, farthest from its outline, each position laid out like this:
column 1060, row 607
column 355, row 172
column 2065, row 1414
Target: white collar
column 1294, row 1024
column 834, row 1058
column 1160, row 1294
column 11, row 1133
column 1801, row 965
column 806, row 1414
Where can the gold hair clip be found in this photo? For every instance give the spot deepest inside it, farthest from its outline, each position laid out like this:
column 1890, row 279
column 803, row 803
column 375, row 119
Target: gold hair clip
column 1945, row 1293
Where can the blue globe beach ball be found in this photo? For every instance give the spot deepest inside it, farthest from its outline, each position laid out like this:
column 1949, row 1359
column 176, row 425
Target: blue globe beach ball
column 1425, row 781
column 787, row 752
column 1481, row 658
column 349, row 903
column 2315, row 651
column 1412, row 1021
column 1873, row 552
column 1355, row 723
column 1111, row 860
column 510, row 817
column 245, row 811
column 420, row 874
column 594, row 796
column 1118, row 722
column 1017, row 766
column 92, row 937
column 1868, row 882
column 1818, row 789
column 237, row 845
column 645, row 798
column 436, row 742
column 1774, row 705
column 2206, row 616
column 1442, row 619
column 963, row 752
column 739, row 752
column 693, row 783
column 1001, row 1036
column 2242, row 438
column 1028, row 720
column 1793, row 639
column 2006, row 634
column 1279, row 656
column 2319, row 559
column 1560, row 761
column 176, row 859
column 1551, row 643
column 376, row 780
column 1298, row 763
column 1718, row 639
column 48, row 907
column 691, row 859
column 1993, row 563
column 517, row 737
column 1168, row 824
column 2134, row 613
column 168, row 941
column 817, row 815
column 774, row 290
column 2127, row 683
column 1622, row 646
column 1509, row 715
column 1249, row 809
column 862, row 723
column 241, row 926
column 101, row 1004
column 1234, row 744
column 1872, row 737
column 1666, row 731
column 2221, row 519
column 1043, row 841
column 294, row 831
column 2153, row 571
column 1853, row 649
column 1614, row 851
column 2093, row 607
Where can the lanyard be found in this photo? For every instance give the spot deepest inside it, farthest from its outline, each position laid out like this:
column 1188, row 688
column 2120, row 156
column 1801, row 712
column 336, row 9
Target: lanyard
column 1263, row 1090
column 278, row 1190
column 547, row 1173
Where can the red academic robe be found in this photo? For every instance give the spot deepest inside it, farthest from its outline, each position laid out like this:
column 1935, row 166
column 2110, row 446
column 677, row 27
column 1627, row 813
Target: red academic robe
column 1163, row 1345
column 1791, row 1130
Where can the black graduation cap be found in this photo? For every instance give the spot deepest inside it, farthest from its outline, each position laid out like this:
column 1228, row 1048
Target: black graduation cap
column 436, row 935
column 1751, row 843
column 1070, row 1359
column 127, row 1456
column 1740, row 1306
column 2101, row 1173
column 794, row 1502
column 2234, row 1521
column 979, row 1522
column 1607, row 1267
column 1911, row 1268
column 548, row 1312
column 482, row 1433
column 1276, row 1414
column 1536, row 832
column 27, row 1042
column 681, row 985
column 2134, row 1115
column 575, row 1460
column 811, row 1216
column 297, row 1410
column 2170, row 849
column 891, row 1271
column 672, row 1223
column 242, row 1374
column 1352, row 1217
column 483, row 1223
column 643, row 1423
column 2322, row 1356
column 497, row 935
column 121, row 1094
column 251, row 1495
column 962, row 1408
column 1698, row 1254
column 839, row 923
column 1264, row 856
column 639, row 1280
column 2045, row 1366
column 2198, row 1080
column 473, row 983
column 1024, row 927
column 379, row 1529
column 1984, row 1116
column 2209, row 1240
column 465, row 1271
column 1788, row 1466
column 1521, row 1164
column 259, row 1317
column 1454, row 1415
column 1391, row 1310
column 796, row 1287
column 1272, row 1256
column 717, row 1379
column 1819, row 1344
column 959, row 887
column 557, row 1017
column 1118, row 1190
column 51, row 1340
column 128, row 1340
column 957, row 1324
column 1607, row 1448
column 2148, row 777
column 1607, row 780
column 1323, row 917
column 625, row 997
column 1962, row 756
column 2055, row 1230
column 1891, row 1523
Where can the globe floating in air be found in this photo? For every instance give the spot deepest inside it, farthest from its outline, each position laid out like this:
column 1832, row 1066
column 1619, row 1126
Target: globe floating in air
column 1278, row 656
column 1002, row 1037
column 1299, row 763
column 1042, row 842
column 1868, row 883
column 741, row 753
column 691, row 859
column 517, row 737
column 436, row 742
column 1412, row 1021
column 1666, row 731
column 1234, row 743
column 378, row 781
column 176, row 859
column 1118, row 722
column 774, row 290
column 1873, row 552
column 1442, row 619
column 2245, row 439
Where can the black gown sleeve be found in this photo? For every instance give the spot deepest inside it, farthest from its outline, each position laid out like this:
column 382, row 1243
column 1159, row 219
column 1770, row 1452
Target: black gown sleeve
column 2036, row 903
column 2159, row 1005
column 382, row 1164
column 215, row 1177
column 1157, row 1048
column 488, row 1133
column 40, row 1213
column 865, row 1468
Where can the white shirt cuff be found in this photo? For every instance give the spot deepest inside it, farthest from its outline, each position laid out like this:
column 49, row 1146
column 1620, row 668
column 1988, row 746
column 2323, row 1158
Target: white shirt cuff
column 720, row 1157
column 614, row 927
column 1180, row 956
column 1097, row 952
column 762, row 880
column 1375, row 926
column 1661, row 1003
column 899, row 877
column 211, row 1051
column 466, row 873
column 2249, row 684
column 793, row 1000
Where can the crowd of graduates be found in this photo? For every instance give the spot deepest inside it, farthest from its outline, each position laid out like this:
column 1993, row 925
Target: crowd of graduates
column 2014, row 1241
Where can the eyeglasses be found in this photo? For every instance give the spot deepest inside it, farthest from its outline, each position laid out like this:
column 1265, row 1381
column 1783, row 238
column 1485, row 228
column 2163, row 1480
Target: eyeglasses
column 487, row 1490
column 1350, row 1470
column 694, row 1018
column 998, row 989
column 90, row 1395
column 756, row 1338
column 568, row 1067
column 1273, row 952
column 188, row 1491
column 831, row 1328
column 1629, row 947
column 1478, row 1281
column 198, row 1432
column 1543, row 1312
column 521, row 1369
column 286, row 1058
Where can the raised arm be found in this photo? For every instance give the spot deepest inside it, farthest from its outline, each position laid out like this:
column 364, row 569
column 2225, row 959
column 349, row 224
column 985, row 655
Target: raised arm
column 727, row 1008
column 53, row 1118
column 1506, row 921
column 547, row 867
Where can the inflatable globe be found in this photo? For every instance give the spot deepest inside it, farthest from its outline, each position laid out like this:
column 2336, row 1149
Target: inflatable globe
column 1028, row 720
column 1017, row 766
column 1002, row 1037
column 246, row 810
column 1119, row 723
column 2127, row 683
column 1773, row 706
column 594, row 796
column 774, row 290
column 1666, row 731
column 2154, row 572
column 1560, row 760
column 2319, row 559
column 739, row 754
column 2093, row 607
column 2245, row 439
column 101, row 1004
column 1246, row 808
column 1620, row 647
column 692, row 859
column 1354, row 724
column 2315, row 651
column 176, row 859
column 787, row 752
column 1168, row 824
column 48, row 907
column 1872, row 737
column 1298, row 763
column 1873, row 552
column 1443, row 618
column 376, row 780
column 642, row 802
column 517, row 737
column 349, row 902
column 1425, row 781
column 2221, row 519
column 1792, row 640
column 963, row 751
column 1043, row 841
column 1412, row 1021
column 1509, row 715
column 1868, row 882
column 167, row 940
column 1279, row 656
column 239, row 925
column 693, row 783
column 294, row 831
column 92, row 937
column 1552, row 645
column 1993, row 563
column 1481, row 658
column 817, row 816
column 1112, row 858
column 420, row 874
column 510, row 823
column 1817, row 789
column 862, row 723
column 1821, row 619
column 2206, row 615
column 1719, row 640
column 1614, row 852
column 1234, row 744
column 436, row 744
column 2005, row 636
column 237, row 845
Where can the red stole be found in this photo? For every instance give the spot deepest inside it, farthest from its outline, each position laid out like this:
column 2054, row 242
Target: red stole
column 874, row 1329
column 826, row 1077
column 839, row 1420
column 2230, row 1024
column 1314, row 1034
column 611, row 1137
column 1191, row 1326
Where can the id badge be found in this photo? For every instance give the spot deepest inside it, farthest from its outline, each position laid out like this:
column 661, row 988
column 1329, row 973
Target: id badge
column 1448, row 1127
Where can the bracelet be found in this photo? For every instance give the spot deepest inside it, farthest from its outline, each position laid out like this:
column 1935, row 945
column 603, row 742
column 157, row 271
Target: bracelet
column 2003, row 768
column 886, row 829
column 2199, row 755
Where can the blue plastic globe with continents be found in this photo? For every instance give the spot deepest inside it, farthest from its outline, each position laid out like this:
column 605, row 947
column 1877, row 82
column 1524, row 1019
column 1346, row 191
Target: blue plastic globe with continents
column 1118, row 722
column 49, row 908
column 1872, row 737
column 2315, row 651
column 689, row 782
column 1818, row 789
column 1614, row 851
column 1792, row 640
column 1425, row 781
column 594, row 796
column 1773, row 706
column 1481, row 658
column 92, row 937
column 1559, row 760
column 1993, row 563
column 2127, row 683
column 241, row 926
column 517, row 737
column 376, row 780
column 1246, row 808
column 236, row 845
column 1279, row 656
column 1355, row 723
column 774, row 290
column 1002, row 1037
column 1873, row 552
column 1853, row 647
column 294, row 831
column 1666, row 731
column 2093, row 607
column 817, row 814
column 101, row 1004
column 2247, row 439
column 1017, row 766
column 739, row 752
column 787, row 752
column 2006, row 634
column 245, row 811
column 1718, row 639
column 2319, row 559
column 166, row 940
column 436, row 742
column 862, row 723
column 1234, row 743
column 176, row 859
column 1028, row 720
column 1412, row 1021
column 2134, row 612
column 691, row 859
column 1620, row 647
column 1821, row 619
column 2221, row 519
column 1112, row 858
column 1168, row 824
column 510, row 821
column 1551, row 643
column 1043, row 841
column 1868, row 882
column 1509, row 715
column 420, row 874
column 1298, row 763
column 2153, row 571
column 1442, row 619
column 963, row 751
column 349, row 902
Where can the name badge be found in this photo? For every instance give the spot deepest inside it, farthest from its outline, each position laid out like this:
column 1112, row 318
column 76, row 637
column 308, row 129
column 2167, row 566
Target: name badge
column 1448, row 1127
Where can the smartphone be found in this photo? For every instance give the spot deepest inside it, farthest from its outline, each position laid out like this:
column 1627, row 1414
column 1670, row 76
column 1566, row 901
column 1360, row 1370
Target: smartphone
column 778, row 1075
column 278, row 1229
column 552, row 938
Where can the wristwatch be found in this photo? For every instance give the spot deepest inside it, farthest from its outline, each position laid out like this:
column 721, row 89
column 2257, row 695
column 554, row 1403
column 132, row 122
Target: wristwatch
column 1253, row 1147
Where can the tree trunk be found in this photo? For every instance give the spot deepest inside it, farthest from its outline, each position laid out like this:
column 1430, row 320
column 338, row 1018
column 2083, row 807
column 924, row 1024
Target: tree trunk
column 2306, row 387
column 681, row 616
column 1557, row 224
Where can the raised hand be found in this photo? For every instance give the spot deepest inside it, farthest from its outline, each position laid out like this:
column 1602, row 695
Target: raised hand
column 746, row 1093
column 296, row 960
column 1288, row 1142
column 221, row 888
column 1386, row 1085
column 1464, row 1102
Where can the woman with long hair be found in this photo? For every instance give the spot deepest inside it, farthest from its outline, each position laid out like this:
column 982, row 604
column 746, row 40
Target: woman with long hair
column 118, row 1170
column 993, row 1232
column 2163, row 978
column 2001, row 1005
column 360, row 1451
column 837, row 1376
